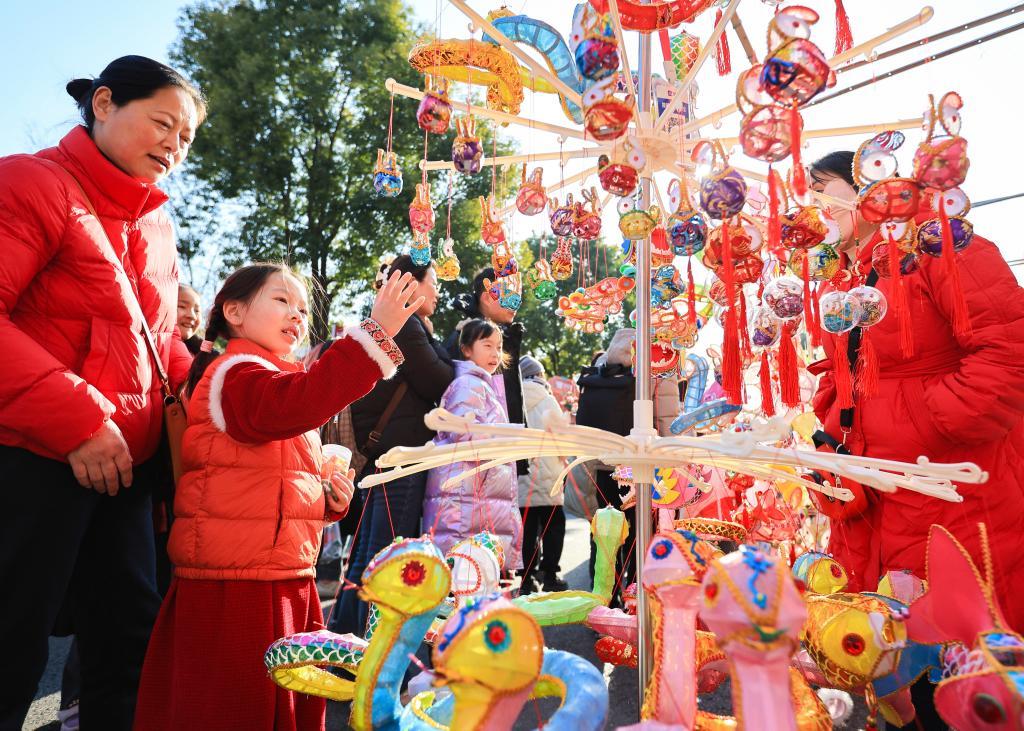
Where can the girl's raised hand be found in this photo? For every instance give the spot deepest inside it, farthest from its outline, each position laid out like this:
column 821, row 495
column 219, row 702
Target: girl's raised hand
column 338, row 489
column 392, row 308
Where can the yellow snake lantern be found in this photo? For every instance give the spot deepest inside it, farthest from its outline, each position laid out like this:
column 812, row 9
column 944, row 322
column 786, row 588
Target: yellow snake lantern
column 473, row 62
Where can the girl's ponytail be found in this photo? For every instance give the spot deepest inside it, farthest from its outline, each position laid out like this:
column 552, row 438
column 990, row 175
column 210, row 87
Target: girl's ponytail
column 217, row 327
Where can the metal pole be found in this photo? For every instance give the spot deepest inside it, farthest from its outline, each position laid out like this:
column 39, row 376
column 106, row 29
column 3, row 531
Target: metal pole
column 643, row 411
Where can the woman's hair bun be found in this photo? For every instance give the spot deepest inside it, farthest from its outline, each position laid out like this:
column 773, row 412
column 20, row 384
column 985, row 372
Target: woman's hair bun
column 77, row 88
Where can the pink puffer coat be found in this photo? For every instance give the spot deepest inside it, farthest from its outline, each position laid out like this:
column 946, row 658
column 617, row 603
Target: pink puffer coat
column 485, row 501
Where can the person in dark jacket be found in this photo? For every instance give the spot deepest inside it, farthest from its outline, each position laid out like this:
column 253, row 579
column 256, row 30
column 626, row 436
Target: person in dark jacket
column 478, row 304
column 395, row 509
column 607, row 390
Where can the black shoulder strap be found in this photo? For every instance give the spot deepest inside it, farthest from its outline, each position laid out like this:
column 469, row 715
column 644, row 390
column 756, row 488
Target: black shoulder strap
column 852, row 353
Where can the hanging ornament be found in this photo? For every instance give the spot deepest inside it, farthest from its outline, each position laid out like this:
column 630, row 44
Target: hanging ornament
column 686, row 227
column 783, row 297
column 796, row 70
column 636, row 223
column 883, row 196
column 586, row 220
column 531, row 198
column 586, row 309
column 871, row 305
column 765, row 328
column 804, row 227
column 840, row 312
column 561, row 216
column 593, row 44
column 620, row 173
column 491, row 229
column 822, row 263
column 435, row 111
column 941, row 162
column 929, row 235
column 685, row 48
column 387, row 176
column 661, row 252
column 421, row 211
column 467, row 150
column 447, row 262
column 666, row 285
column 561, row 259
column 541, row 281
column 507, row 291
column 419, row 251
column 724, row 191
column 605, row 116
column 766, row 133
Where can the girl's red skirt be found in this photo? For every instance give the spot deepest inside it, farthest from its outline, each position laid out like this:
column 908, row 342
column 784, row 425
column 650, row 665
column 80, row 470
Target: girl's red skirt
column 204, row 668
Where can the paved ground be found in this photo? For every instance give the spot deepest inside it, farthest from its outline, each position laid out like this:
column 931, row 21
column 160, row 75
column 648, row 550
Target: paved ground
column 622, row 682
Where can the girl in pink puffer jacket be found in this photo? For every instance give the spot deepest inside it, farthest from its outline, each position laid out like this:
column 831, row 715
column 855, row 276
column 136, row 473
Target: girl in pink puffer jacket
column 486, row 501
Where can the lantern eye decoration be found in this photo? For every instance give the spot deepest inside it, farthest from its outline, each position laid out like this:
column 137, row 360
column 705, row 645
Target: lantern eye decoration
column 413, row 573
column 853, row 644
column 875, row 159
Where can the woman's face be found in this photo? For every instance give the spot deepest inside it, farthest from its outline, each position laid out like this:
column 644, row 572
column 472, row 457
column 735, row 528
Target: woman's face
column 849, row 220
column 146, row 138
column 428, row 290
column 188, row 313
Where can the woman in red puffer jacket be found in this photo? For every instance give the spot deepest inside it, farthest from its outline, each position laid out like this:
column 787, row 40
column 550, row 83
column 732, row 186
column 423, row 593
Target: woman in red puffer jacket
column 957, row 398
column 80, row 406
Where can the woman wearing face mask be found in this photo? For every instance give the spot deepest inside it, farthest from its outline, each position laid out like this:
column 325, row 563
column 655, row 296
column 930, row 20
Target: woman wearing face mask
column 85, row 245
column 956, row 398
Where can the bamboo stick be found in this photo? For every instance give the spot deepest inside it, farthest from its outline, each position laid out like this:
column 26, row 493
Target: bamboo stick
column 508, row 210
column 515, row 159
column 680, row 96
column 413, row 93
column 921, row 18
column 868, row 46
column 741, row 33
column 540, row 70
column 857, row 129
column 613, row 11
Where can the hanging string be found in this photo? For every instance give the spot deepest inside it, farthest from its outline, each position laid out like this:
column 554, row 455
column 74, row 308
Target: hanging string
column 451, row 187
column 423, row 177
column 391, row 121
column 494, row 153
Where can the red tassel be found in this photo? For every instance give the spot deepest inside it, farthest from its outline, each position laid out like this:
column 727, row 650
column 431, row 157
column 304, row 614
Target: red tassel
column 691, row 294
column 767, row 398
column 844, row 36
column 810, row 316
column 774, row 224
column 722, row 55
column 867, row 367
column 789, row 375
column 746, row 350
column 900, row 305
column 815, row 330
column 844, row 379
column 732, row 377
column 961, row 317
column 796, row 125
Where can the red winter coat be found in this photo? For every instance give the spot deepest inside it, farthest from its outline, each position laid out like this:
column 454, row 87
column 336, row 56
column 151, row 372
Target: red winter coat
column 73, row 355
column 957, row 399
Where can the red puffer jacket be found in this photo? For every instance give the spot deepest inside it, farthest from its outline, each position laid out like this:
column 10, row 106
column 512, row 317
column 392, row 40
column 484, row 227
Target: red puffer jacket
column 957, row 399
column 73, row 355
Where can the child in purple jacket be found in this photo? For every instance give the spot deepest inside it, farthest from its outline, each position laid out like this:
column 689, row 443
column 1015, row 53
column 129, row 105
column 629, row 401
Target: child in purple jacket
column 486, row 501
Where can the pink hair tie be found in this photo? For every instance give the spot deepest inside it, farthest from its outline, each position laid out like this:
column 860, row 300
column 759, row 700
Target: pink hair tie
column 206, row 346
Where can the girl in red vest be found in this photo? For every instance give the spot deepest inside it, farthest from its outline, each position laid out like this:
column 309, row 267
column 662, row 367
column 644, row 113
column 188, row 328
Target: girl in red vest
column 251, row 504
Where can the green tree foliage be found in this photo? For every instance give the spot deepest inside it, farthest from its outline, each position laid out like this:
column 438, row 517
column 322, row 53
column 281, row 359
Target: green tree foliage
column 298, row 109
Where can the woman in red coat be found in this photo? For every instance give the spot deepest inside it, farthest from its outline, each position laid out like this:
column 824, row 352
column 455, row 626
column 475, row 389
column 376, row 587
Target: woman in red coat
column 84, row 245
column 957, row 398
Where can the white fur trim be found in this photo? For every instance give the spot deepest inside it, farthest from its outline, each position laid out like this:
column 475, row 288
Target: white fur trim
column 376, row 353
column 217, row 384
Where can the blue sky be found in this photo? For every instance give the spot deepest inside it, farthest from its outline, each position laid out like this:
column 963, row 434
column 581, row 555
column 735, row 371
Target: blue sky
column 48, row 42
